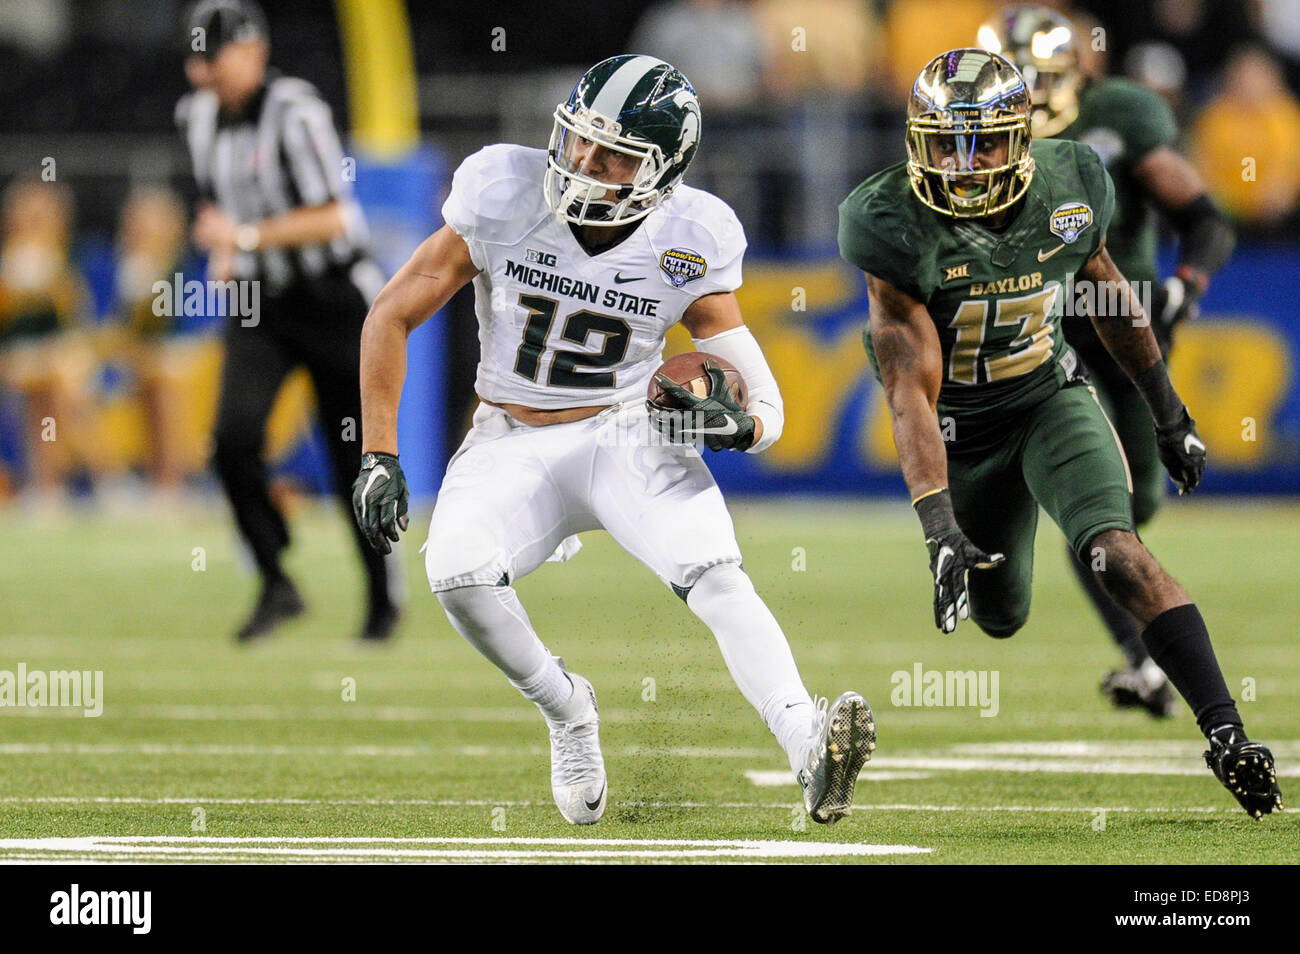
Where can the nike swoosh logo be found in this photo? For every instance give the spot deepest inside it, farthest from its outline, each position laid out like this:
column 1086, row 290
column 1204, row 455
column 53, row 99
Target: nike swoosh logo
column 1190, row 443
column 1043, row 258
column 945, row 555
column 592, row 806
column 370, row 482
column 620, row 280
column 731, row 428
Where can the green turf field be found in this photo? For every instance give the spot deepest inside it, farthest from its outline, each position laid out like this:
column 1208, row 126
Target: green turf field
column 209, row 752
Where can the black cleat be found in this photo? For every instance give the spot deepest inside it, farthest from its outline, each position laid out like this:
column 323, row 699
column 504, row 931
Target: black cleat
column 279, row 602
column 1246, row 770
column 845, row 739
column 1131, row 689
column 380, row 624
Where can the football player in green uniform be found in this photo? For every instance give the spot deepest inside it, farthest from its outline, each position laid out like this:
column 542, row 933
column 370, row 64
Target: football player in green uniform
column 1133, row 132
column 970, row 248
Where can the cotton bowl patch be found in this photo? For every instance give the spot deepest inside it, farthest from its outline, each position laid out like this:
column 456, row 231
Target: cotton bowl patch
column 1069, row 220
column 681, row 265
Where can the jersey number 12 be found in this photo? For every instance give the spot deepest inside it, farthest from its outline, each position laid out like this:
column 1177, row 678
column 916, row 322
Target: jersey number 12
column 564, row 371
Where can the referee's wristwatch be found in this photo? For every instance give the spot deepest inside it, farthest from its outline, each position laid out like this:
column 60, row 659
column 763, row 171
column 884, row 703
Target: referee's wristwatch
column 248, row 238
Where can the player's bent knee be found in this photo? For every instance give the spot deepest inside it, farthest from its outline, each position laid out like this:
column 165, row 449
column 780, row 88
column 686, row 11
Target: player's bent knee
column 1001, row 629
column 452, row 561
column 718, row 579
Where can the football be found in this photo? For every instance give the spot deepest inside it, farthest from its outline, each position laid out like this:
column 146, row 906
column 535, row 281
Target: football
column 687, row 369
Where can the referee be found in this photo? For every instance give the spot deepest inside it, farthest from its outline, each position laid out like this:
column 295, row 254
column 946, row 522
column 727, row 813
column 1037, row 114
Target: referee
column 275, row 208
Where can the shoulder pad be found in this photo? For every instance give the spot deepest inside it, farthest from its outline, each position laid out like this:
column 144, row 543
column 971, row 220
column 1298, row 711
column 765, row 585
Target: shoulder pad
column 697, row 220
column 497, row 193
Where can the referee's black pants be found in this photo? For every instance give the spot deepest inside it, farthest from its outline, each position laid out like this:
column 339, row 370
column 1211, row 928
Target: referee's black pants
column 316, row 324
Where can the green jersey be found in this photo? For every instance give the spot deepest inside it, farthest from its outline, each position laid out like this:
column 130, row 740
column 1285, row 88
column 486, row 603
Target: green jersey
column 995, row 296
column 1123, row 122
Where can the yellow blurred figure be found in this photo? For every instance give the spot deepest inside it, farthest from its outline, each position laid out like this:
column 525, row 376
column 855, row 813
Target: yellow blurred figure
column 167, row 366
column 917, row 31
column 45, row 355
column 1244, row 143
column 819, row 45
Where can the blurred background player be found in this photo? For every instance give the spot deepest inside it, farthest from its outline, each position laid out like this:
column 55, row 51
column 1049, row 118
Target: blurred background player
column 46, row 357
column 1134, row 133
column 152, row 247
column 276, row 209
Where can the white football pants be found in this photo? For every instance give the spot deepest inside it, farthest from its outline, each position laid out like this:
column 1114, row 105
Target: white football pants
column 515, row 495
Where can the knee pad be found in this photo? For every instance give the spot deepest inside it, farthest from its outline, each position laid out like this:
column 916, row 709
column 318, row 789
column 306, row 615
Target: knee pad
column 1001, row 625
column 718, row 580
column 451, row 563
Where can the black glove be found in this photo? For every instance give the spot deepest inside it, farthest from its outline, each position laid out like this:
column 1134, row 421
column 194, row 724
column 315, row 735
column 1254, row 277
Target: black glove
column 722, row 422
column 379, row 500
column 952, row 557
column 1176, row 301
column 1182, row 452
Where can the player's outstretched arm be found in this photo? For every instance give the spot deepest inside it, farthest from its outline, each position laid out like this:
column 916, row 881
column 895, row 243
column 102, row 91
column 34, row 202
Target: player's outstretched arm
column 910, row 359
column 1205, row 237
column 439, row 267
column 435, row 272
column 1130, row 341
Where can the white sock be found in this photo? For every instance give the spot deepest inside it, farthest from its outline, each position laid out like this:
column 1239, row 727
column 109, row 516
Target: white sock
column 495, row 623
column 550, row 689
column 757, row 654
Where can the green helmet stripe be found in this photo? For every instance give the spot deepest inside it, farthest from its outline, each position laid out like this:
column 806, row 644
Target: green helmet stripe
column 612, row 97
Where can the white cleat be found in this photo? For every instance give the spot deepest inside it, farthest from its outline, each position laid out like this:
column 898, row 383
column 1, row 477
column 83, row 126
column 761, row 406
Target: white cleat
column 577, row 767
column 843, row 740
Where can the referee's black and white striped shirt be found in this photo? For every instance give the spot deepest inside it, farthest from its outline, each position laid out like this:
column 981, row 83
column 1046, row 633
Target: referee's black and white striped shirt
column 280, row 153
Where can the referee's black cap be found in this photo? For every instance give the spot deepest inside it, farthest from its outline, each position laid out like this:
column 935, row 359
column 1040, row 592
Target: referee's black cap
column 214, row 23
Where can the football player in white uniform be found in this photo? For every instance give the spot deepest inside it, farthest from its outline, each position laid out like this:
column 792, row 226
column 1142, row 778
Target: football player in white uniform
column 582, row 257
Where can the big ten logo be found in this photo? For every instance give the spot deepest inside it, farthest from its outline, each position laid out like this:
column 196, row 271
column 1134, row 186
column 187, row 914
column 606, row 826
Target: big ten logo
column 547, row 259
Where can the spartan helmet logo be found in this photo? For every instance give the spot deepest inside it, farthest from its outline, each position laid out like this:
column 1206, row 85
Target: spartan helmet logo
column 690, row 119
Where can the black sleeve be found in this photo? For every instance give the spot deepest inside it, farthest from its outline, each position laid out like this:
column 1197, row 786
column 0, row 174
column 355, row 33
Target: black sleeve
column 1205, row 238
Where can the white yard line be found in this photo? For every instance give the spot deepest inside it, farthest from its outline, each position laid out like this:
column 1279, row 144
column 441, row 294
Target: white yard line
column 507, row 803
column 461, row 849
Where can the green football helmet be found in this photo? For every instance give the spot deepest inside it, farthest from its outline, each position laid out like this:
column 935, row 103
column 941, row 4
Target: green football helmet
column 968, row 134
column 622, row 141
column 1041, row 43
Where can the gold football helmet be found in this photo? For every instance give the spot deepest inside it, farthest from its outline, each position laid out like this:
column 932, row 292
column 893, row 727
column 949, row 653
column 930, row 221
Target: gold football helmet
column 968, row 134
column 1042, row 45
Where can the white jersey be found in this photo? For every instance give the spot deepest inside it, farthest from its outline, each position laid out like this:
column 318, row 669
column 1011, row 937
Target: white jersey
column 559, row 327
